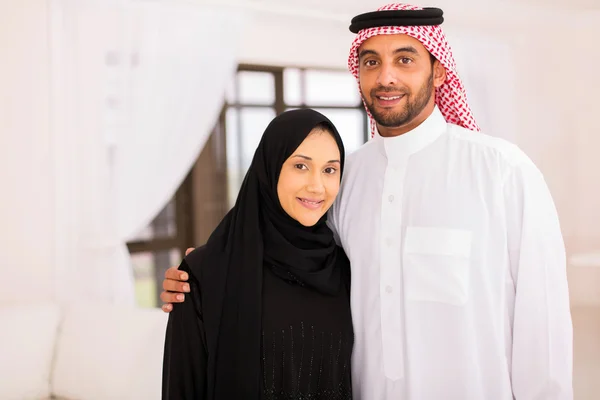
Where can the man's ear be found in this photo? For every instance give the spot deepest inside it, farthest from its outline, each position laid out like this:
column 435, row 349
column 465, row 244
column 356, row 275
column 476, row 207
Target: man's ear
column 439, row 74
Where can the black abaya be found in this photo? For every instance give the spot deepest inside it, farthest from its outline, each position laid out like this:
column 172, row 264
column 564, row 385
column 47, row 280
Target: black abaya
column 262, row 284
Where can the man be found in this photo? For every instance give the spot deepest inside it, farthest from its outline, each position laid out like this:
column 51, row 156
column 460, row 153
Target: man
column 459, row 287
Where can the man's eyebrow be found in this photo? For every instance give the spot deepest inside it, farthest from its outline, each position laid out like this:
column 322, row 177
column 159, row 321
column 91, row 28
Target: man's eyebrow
column 367, row 52
column 404, row 49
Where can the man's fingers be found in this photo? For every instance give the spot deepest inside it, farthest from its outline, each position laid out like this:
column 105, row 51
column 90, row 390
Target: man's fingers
column 176, row 286
column 170, row 297
column 175, row 275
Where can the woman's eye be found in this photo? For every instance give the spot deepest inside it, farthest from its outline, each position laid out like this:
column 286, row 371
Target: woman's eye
column 300, row 166
column 330, row 170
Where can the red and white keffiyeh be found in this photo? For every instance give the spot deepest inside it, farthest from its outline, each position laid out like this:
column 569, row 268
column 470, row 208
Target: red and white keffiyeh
column 450, row 98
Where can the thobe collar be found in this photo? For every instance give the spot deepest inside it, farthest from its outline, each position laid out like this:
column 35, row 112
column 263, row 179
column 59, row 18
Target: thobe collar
column 398, row 148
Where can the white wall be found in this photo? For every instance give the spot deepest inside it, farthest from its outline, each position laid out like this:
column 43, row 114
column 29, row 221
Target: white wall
column 558, row 117
column 27, row 191
column 299, row 41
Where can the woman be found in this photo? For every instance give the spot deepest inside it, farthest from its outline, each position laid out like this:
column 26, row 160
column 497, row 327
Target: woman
column 269, row 314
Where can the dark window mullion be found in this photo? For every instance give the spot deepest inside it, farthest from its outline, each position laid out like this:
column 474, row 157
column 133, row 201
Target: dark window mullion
column 153, row 245
column 279, row 92
column 184, row 214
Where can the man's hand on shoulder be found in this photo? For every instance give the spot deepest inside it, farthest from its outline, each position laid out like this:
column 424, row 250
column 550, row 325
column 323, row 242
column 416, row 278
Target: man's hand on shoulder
column 174, row 286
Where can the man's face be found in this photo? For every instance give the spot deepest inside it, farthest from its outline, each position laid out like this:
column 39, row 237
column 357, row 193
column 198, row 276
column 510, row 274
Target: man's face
column 398, row 80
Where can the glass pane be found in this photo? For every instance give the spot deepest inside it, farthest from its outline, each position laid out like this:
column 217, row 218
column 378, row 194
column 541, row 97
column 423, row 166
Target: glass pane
column 148, row 271
column 256, row 87
column 350, row 125
column 292, row 86
column 164, row 225
column 331, row 88
column 251, row 122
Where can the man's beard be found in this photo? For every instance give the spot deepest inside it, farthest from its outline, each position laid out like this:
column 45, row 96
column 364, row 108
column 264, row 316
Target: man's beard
column 393, row 119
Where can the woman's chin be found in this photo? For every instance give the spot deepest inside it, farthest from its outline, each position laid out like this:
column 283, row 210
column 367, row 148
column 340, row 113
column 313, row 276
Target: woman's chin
column 309, row 220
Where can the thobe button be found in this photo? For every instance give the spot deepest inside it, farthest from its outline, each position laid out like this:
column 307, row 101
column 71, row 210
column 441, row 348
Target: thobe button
column 391, row 198
column 389, row 289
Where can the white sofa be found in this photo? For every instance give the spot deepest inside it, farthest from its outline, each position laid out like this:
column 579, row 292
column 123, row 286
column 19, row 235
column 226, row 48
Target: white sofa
column 81, row 352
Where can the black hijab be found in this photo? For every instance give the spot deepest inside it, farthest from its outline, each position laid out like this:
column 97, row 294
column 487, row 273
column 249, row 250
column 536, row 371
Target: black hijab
column 257, row 233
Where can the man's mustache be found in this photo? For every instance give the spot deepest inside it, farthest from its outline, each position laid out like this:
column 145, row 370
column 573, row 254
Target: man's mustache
column 389, row 89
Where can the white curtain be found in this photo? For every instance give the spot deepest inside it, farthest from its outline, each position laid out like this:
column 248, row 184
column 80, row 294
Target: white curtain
column 185, row 56
column 136, row 89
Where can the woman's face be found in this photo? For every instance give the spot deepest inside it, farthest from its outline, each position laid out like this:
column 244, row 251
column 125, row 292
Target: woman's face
column 310, row 178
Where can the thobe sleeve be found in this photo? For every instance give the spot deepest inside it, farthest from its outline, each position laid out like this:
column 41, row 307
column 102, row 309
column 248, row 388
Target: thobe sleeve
column 542, row 349
column 185, row 356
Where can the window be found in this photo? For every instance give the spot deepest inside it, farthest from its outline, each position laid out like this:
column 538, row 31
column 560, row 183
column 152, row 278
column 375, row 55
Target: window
column 256, row 95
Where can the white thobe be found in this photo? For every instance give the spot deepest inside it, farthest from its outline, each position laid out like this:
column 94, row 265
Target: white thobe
column 459, row 288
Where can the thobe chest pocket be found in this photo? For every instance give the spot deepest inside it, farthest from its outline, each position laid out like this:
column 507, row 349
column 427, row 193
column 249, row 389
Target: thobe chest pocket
column 436, row 264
